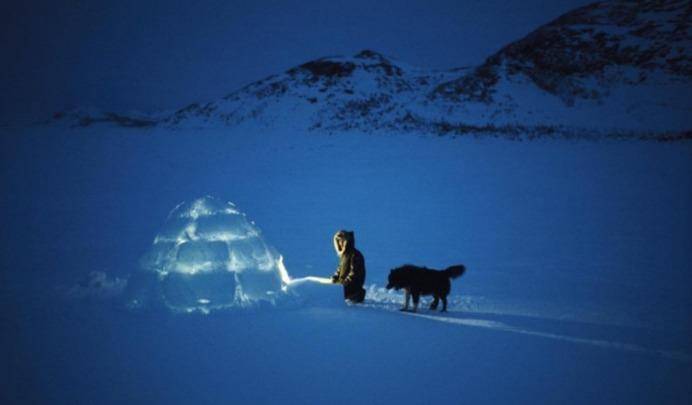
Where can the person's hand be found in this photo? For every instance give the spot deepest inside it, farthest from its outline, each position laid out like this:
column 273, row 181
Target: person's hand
column 335, row 279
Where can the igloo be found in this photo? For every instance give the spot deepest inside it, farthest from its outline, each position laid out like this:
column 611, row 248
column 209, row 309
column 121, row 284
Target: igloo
column 208, row 256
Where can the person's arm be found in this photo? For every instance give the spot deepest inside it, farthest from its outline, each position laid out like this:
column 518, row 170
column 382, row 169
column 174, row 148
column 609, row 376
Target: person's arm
column 339, row 271
column 355, row 269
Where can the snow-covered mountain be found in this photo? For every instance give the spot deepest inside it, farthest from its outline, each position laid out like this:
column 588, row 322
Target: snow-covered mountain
column 619, row 64
column 366, row 91
column 619, row 68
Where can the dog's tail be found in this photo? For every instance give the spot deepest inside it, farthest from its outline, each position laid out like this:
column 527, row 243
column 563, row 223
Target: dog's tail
column 455, row 271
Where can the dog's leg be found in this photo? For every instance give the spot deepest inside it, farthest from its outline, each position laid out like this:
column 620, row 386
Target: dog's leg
column 444, row 304
column 433, row 305
column 416, row 299
column 407, row 295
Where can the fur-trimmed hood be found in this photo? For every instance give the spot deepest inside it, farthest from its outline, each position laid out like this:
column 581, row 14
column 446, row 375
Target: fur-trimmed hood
column 348, row 237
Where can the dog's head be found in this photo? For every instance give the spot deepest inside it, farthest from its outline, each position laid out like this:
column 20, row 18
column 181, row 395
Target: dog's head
column 395, row 280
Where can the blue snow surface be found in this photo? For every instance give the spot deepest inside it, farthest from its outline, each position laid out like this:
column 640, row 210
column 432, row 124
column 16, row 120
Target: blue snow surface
column 577, row 289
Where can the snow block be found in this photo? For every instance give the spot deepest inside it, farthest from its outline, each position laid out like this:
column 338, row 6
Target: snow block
column 208, row 256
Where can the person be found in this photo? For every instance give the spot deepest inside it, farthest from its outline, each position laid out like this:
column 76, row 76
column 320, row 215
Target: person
column 351, row 270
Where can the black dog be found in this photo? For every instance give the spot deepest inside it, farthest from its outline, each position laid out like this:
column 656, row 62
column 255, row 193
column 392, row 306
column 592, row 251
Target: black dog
column 417, row 281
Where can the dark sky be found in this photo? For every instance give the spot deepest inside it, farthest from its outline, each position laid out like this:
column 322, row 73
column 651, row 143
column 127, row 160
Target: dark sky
column 151, row 55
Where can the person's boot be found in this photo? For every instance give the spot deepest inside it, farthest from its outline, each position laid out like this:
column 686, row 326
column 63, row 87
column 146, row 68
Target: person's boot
column 360, row 297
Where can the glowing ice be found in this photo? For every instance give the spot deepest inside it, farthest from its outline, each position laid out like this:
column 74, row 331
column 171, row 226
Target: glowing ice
column 209, row 256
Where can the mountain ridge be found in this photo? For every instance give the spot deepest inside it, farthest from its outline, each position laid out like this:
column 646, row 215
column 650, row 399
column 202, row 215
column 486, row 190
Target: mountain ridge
column 616, row 68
